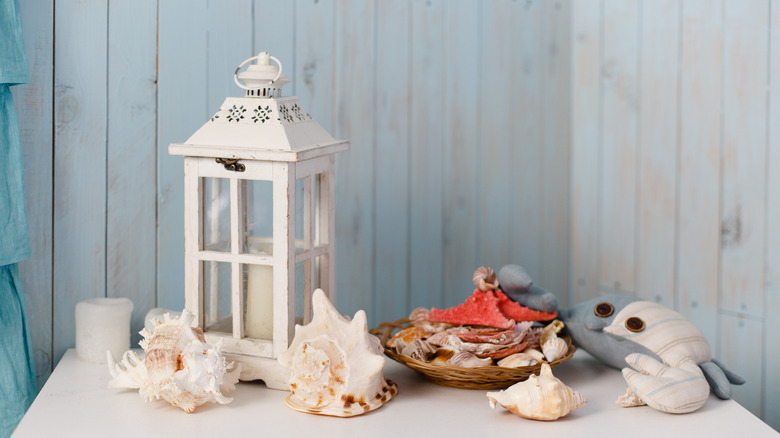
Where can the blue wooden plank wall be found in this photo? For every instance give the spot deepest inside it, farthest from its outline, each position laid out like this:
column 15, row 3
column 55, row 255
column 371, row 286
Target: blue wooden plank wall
column 628, row 146
column 674, row 165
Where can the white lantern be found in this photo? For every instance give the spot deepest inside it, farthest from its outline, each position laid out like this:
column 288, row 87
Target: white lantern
column 258, row 220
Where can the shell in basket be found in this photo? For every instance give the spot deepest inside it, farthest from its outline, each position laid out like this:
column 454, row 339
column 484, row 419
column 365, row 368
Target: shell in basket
column 178, row 366
column 335, row 364
column 538, row 398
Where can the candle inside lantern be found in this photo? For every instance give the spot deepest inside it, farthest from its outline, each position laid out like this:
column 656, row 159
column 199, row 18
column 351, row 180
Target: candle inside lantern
column 102, row 324
column 260, row 296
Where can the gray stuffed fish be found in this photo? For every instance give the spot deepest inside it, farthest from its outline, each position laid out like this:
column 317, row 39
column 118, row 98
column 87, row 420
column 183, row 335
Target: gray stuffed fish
column 670, row 364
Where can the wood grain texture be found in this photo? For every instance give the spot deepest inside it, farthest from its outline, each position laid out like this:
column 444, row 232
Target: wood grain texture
column 619, row 151
column 392, row 185
column 229, row 43
column 657, row 177
column 131, row 154
column 555, row 74
column 182, row 109
column 313, row 74
column 496, row 147
column 584, row 149
column 699, row 164
column 738, row 331
column 425, row 152
column 80, row 49
column 274, row 32
column 771, row 401
column 462, row 159
column 353, row 114
column 35, row 114
column 524, row 178
column 744, row 156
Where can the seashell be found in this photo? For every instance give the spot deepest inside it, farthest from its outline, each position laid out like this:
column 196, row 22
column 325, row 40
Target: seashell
column 468, row 360
column 335, row 364
column 551, row 330
column 407, row 335
column 419, row 314
column 539, row 398
column 630, row 399
column 536, row 354
column 178, row 366
column 442, row 355
column 418, row 349
column 485, row 279
column 517, row 360
column 554, row 348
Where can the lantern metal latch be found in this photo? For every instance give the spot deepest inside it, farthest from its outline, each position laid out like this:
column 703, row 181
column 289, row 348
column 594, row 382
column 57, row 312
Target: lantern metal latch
column 231, row 164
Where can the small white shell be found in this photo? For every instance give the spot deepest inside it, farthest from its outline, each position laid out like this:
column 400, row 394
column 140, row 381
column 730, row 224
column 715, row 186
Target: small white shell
column 630, row 399
column 485, row 279
column 554, row 348
column 536, row 354
column 539, row 398
column 517, row 360
column 468, row 360
column 335, row 364
column 178, row 366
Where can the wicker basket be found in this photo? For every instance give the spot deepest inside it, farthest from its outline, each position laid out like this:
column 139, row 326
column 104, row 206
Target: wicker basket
column 489, row 377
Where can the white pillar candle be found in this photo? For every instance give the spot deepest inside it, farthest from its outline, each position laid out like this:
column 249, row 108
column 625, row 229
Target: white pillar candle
column 260, row 297
column 102, row 324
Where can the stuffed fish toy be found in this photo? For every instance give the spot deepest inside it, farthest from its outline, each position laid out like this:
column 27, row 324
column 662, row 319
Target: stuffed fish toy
column 671, row 368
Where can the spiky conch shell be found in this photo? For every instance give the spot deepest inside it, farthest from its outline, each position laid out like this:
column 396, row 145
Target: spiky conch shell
column 539, row 398
column 335, row 364
column 178, row 366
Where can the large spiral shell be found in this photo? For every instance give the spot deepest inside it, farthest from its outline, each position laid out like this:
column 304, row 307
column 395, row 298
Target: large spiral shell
column 178, row 366
column 539, row 398
column 335, row 364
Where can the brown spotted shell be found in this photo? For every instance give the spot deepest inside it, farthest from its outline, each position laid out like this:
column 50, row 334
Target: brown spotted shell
column 485, row 279
column 335, row 364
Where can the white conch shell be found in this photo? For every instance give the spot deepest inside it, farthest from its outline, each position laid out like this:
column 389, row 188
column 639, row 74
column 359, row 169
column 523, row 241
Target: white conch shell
column 335, row 364
column 178, row 366
column 538, row 398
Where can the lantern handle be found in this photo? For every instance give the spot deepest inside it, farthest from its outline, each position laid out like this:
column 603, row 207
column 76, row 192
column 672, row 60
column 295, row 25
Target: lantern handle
column 273, row 58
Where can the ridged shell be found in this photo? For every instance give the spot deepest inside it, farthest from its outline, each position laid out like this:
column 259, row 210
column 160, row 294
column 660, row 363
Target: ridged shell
column 178, row 366
column 335, row 364
column 539, row 398
column 517, row 360
column 485, row 279
column 554, row 348
column 468, row 360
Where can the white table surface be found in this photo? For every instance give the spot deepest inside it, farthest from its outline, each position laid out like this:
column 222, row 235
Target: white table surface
column 76, row 402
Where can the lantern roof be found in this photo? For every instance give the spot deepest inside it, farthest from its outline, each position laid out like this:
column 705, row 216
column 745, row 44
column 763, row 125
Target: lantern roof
column 261, row 125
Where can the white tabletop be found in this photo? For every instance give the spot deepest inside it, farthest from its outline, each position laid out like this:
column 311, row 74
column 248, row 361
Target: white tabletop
column 75, row 402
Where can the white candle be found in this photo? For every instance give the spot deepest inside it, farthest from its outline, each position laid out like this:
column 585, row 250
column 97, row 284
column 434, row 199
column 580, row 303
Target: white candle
column 260, row 297
column 102, row 324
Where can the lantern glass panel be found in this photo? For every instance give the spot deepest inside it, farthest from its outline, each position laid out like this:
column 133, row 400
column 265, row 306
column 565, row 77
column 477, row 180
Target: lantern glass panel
column 216, row 214
column 300, row 214
column 301, row 295
column 258, row 207
column 217, row 297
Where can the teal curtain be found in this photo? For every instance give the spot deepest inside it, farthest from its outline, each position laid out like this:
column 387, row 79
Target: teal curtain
column 17, row 376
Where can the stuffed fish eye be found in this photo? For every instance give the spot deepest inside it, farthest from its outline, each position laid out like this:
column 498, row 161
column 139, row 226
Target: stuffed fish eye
column 635, row 324
column 603, row 309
